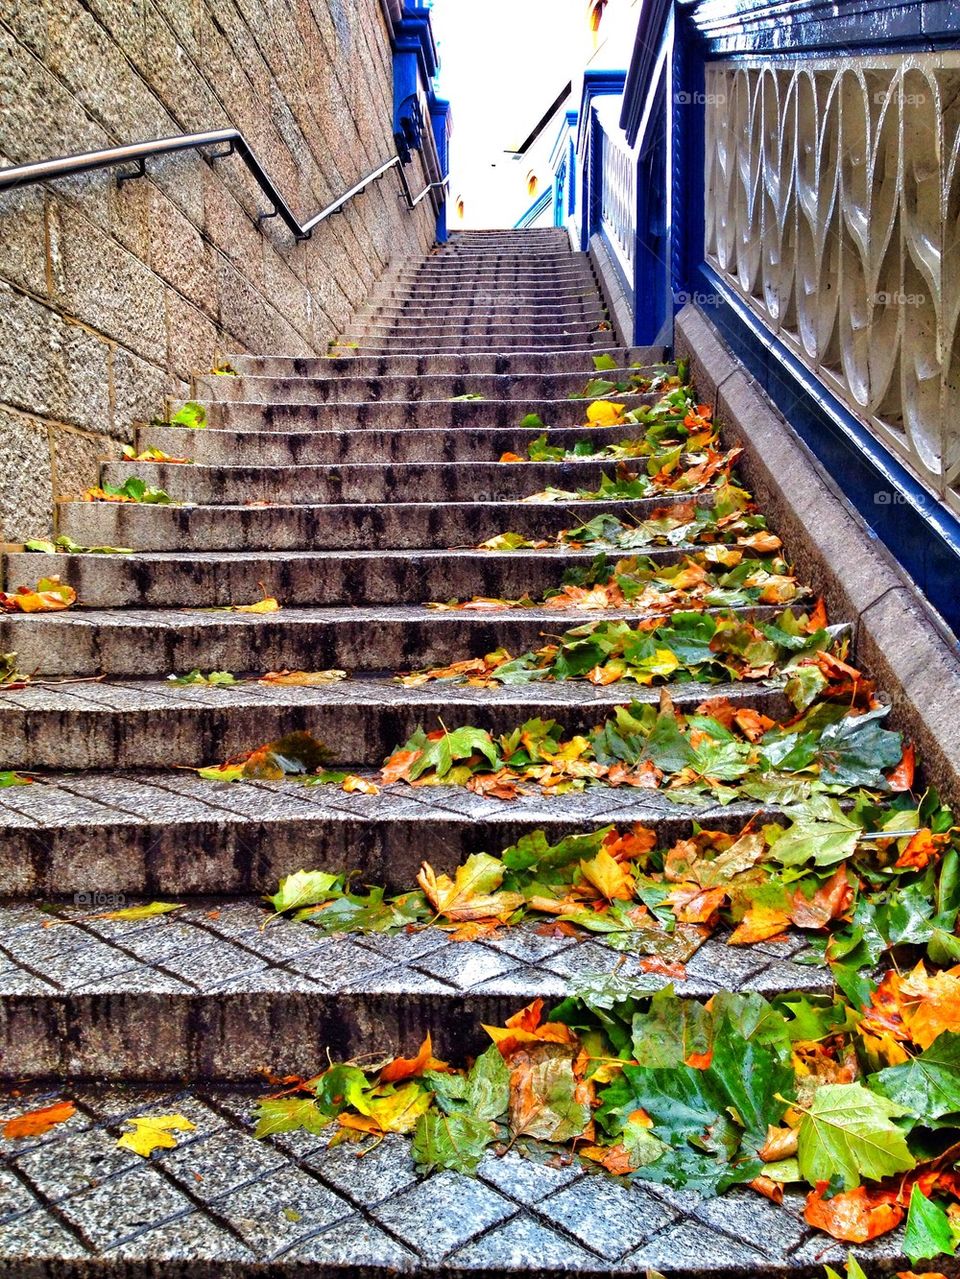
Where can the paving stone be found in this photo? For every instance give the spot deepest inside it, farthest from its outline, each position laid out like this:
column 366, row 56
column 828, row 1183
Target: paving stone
column 211, row 1167
column 38, row 1235
column 608, row 1218
column 527, row 1179
column 67, row 1167
column 194, row 1236
column 756, row 1222
column 443, row 1213
column 358, row 1244
column 466, row 964
column 118, row 1210
column 690, row 1248
column 277, row 1212
column 367, row 1174
column 523, row 1243
column 15, row 1198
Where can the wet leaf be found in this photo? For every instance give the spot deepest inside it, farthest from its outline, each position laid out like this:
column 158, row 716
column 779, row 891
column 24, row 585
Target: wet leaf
column 50, row 596
column 147, row 911
column 154, row 1132
column 929, row 1231
column 289, row 1114
column 848, row 1132
column 34, row 1123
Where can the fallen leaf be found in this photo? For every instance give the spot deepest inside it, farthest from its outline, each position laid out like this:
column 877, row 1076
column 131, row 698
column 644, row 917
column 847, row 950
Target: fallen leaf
column 360, row 785
column 147, row 911
column 307, row 679
column 853, row 1215
column 407, row 1067
column 266, row 605
column 51, row 596
column 154, row 1132
column 36, row 1122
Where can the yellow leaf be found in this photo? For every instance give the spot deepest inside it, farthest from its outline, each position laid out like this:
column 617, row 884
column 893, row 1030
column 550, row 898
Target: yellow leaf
column 608, row 877
column 760, row 923
column 51, row 596
column 353, row 783
column 153, row 1132
column 142, row 912
column 268, row 605
column 307, row 679
column 471, row 894
column 605, row 413
column 397, row 1112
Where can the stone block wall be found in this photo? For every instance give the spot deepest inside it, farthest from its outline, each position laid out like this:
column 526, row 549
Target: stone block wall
column 111, row 296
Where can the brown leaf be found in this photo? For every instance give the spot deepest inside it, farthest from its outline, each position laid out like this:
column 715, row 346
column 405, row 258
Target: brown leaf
column 781, row 1143
column 902, row 776
column 759, row 923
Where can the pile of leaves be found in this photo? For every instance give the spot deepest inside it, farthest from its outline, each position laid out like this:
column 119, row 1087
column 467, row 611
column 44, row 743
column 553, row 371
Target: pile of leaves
column 700, row 472
column 730, row 518
column 49, row 596
column 720, row 752
column 226, row 679
column 874, row 878
column 706, row 647
column 719, row 577
column 795, row 1092
column 133, row 489
column 297, row 755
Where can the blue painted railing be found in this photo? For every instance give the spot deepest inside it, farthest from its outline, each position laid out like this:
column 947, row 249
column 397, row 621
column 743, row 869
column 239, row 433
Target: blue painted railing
column 790, row 166
column 530, row 215
column 421, row 120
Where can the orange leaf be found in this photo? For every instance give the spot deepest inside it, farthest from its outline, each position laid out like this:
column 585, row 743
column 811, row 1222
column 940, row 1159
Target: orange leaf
column 853, row 1216
column 512, row 457
column 695, row 905
column 614, row 1158
column 829, row 902
column 758, row 924
column 397, row 768
column 818, row 618
column 36, row 1122
column 699, row 1061
column 407, row 1067
column 773, row 1190
column 353, row 783
column 902, row 776
column 923, row 848
column 751, row 723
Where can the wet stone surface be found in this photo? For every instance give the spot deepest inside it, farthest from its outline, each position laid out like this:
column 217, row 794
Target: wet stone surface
column 295, row 1198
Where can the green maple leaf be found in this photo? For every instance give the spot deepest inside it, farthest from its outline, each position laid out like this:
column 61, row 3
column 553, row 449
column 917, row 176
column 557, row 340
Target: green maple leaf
column 929, row 1231
column 929, row 1085
column 457, row 1141
column 847, row 1132
column 460, row 744
column 304, row 888
column 821, row 832
column 289, row 1114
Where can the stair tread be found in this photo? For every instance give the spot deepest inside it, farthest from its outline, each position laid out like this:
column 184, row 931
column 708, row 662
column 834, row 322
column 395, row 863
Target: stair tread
column 220, row 1195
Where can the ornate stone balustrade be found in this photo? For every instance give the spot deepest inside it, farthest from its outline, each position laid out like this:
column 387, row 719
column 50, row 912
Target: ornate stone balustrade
column 833, row 208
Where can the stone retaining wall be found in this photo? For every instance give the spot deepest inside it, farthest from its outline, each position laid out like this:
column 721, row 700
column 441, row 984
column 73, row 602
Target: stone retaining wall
column 110, row 297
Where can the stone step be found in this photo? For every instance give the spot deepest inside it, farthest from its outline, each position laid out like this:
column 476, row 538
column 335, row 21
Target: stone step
column 423, row 310
column 363, row 526
column 251, row 389
column 155, row 724
column 443, row 343
column 370, row 482
column 173, row 835
column 304, row 448
column 395, row 415
column 149, row 642
column 436, row 292
column 422, row 365
column 210, row 579
column 473, row 278
column 295, row 1205
column 209, row 993
column 440, row 327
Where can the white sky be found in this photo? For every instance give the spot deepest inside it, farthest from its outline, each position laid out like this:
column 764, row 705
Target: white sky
column 503, row 62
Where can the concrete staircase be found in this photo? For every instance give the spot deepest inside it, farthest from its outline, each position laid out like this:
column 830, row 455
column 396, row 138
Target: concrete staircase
column 375, row 482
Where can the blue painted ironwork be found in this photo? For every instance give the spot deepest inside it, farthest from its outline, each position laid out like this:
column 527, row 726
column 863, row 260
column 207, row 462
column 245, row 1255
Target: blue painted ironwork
column 663, row 116
column 530, row 215
column 417, row 110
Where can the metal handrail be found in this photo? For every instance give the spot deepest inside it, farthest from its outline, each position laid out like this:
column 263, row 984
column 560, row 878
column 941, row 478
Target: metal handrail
column 137, row 153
